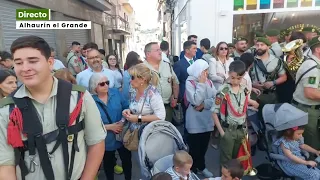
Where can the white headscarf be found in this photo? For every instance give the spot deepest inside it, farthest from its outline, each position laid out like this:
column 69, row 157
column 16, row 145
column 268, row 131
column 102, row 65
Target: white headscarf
column 197, row 67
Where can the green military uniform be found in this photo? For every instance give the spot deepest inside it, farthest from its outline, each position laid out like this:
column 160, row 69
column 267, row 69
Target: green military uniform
column 308, row 52
column 310, row 80
column 235, row 55
column 167, row 77
column 274, row 67
column 275, row 49
column 74, row 61
column 92, row 134
column 233, row 125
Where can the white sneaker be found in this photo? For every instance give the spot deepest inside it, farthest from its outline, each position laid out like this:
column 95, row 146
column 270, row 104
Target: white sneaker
column 206, row 173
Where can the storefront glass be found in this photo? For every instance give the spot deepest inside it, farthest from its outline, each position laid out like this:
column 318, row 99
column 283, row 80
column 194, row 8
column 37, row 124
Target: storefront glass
column 240, row 5
column 245, row 25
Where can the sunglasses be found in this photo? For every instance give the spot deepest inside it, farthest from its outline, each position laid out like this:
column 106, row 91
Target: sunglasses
column 134, row 77
column 221, row 49
column 104, row 83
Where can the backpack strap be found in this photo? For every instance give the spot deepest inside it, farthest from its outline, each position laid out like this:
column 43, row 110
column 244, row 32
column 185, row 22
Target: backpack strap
column 6, row 101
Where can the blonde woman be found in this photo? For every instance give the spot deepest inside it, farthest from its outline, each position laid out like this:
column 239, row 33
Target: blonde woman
column 146, row 103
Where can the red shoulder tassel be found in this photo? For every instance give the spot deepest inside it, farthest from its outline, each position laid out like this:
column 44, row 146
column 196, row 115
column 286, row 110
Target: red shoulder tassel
column 75, row 113
column 15, row 128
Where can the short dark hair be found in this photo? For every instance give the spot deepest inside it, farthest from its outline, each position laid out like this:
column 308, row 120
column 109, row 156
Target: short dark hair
column 147, row 47
column 131, row 60
column 52, row 49
column 4, row 55
column 90, row 45
column 102, row 51
column 238, row 67
column 161, row 176
column 164, row 46
column 75, row 43
column 192, row 36
column 298, row 35
column 288, row 133
column 234, row 167
column 188, row 44
column 31, row 42
column 247, row 59
column 205, row 43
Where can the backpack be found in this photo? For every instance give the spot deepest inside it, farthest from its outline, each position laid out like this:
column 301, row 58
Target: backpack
column 186, row 103
column 24, row 120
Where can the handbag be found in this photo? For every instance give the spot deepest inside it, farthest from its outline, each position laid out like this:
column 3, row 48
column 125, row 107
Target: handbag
column 131, row 137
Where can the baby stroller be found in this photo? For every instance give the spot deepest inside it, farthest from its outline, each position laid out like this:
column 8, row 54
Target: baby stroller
column 277, row 117
column 158, row 143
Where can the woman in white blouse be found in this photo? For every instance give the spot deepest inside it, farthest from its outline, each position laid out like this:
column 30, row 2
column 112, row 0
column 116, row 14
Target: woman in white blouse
column 222, row 63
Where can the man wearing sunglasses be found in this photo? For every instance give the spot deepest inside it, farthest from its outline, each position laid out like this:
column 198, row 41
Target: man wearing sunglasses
column 95, row 66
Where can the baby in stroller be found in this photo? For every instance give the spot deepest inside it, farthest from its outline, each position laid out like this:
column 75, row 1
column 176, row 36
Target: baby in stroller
column 290, row 144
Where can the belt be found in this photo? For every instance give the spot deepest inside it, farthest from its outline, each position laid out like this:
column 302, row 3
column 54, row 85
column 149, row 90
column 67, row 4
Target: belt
column 307, row 106
column 226, row 125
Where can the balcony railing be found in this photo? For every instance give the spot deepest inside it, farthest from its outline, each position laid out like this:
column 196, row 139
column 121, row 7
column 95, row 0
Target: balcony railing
column 116, row 23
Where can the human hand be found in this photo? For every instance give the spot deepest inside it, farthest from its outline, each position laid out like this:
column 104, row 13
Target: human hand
column 126, row 112
column 132, row 118
column 258, row 85
column 311, row 163
column 255, row 104
column 200, row 107
column 174, row 102
column 317, row 153
column 268, row 84
column 203, row 77
column 115, row 127
column 256, row 91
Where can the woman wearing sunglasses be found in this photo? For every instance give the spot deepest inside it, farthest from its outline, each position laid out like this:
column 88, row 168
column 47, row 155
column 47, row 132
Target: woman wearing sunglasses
column 223, row 62
column 111, row 103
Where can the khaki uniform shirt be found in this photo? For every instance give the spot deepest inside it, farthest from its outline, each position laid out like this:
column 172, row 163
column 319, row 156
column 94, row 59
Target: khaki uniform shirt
column 93, row 133
column 237, row 101
column 311, row 80
column 166, row 76
column 73, row 61
column 276, row 50
column 270, row 65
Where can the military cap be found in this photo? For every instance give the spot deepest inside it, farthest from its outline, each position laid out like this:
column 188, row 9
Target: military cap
column 264, row 40
column 314, row 41
column 273, row 32
column 231, row 45
column 310, row 29
column 286, row 32
column 259, row 34
column 241, row 39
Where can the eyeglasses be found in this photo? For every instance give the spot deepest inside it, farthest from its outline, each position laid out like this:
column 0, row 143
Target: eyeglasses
column 104, row 83
column 95, row 57
column 221, row 49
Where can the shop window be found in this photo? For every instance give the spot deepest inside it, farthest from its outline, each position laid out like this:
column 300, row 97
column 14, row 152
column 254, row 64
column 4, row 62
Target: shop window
column 306, row 3
column 317, row 2
column 264, row 4
column 292, row 3
column 251, row 4
column 238, row 5
column 278, row 3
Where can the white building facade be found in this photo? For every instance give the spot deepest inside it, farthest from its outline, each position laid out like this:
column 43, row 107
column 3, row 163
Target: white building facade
column 223, row 20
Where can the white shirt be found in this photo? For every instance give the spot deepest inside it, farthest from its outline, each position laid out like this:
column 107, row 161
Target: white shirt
column 188, row 59
column 58, row 65
column 165, row 57
column 223, row 68
column 84, row 77
column 248, row 82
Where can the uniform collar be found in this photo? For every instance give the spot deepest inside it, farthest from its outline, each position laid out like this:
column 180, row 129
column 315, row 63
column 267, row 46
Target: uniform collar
column 315, row 58
column 24, row 92
column 242, row 87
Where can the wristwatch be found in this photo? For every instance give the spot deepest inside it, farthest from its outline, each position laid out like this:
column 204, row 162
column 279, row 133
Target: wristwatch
column 139, row 118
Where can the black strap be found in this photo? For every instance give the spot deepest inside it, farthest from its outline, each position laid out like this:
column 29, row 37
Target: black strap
column 303, row 74
column 33, row 129
column 62, row 119
column 105, row 112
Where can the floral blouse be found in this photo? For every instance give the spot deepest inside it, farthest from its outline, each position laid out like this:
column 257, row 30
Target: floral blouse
column 153, row 105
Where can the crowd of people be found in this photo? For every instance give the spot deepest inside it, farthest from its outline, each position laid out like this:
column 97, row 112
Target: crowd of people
column 208, row 90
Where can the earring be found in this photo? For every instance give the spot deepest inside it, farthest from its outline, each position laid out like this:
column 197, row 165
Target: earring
column 141, row 84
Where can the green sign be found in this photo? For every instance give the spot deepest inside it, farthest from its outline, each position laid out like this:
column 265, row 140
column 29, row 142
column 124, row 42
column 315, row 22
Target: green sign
column 32, row 14
column 238, row 2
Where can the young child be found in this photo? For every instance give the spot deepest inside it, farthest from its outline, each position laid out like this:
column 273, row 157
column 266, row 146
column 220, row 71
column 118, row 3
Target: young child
column 182, row 163
column 290, row 144
column 232, row 170
column 232, row 102
column 248, row 59
column 161, row 176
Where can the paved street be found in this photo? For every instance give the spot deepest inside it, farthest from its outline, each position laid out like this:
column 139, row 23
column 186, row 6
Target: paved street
column 212, row 160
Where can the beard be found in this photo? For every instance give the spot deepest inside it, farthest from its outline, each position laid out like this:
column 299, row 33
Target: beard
column 261, row 52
